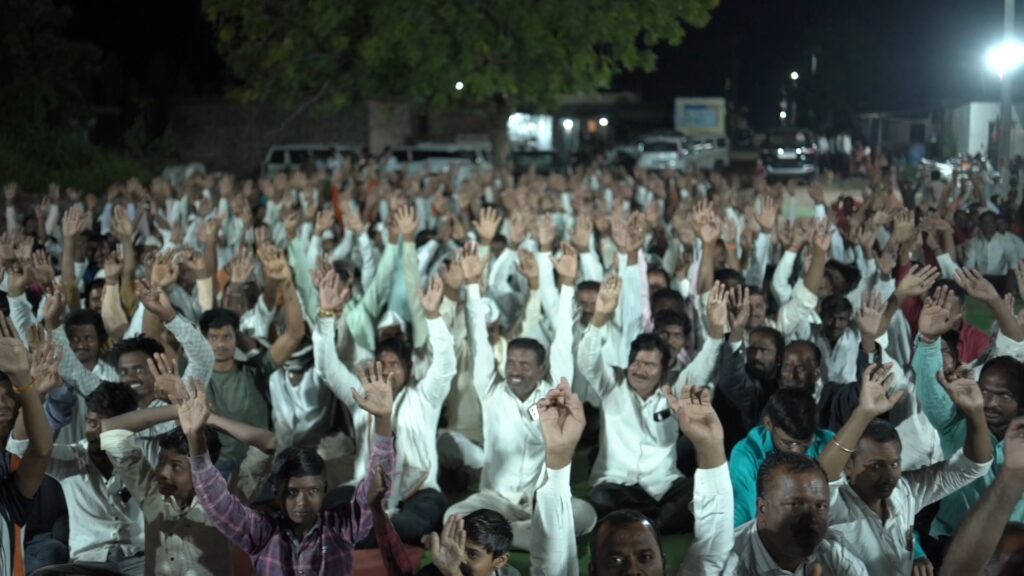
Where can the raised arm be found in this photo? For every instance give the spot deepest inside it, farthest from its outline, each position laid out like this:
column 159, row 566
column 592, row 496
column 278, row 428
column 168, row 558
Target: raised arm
column 934, row 321
column 598, row 373
column 333, row 296
column 407, row 226
column 484, row 373
column 295, row 327
column 74, row 224
column 979, row 288
column 443, row 365
column 710, row 229
column 25, row 377
column 196, row 348
column 700, row 371
column 979, row 535
column 561, row 360
column 553, row 538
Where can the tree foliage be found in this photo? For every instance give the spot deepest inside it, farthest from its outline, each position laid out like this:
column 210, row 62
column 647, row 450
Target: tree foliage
column 506, row 52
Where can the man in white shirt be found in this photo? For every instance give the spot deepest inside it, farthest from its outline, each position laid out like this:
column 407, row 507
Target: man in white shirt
column 990, row 252
column 636, row 466
column 513, row 445
column 872, row 512
column 415, row 503
column 107, row 527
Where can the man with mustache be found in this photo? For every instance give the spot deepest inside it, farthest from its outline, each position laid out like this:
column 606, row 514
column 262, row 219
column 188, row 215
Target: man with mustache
column 872, row 512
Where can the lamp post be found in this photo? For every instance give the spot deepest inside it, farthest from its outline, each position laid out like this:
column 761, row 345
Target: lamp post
column 1004, row 59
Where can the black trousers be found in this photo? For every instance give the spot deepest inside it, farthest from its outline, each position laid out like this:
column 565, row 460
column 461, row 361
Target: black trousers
column 671, row 514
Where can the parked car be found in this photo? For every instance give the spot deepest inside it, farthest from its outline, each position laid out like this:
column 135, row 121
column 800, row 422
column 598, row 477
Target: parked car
column 291, row 157
column 790, row 153
column 177, row 175
column 710, row 153
column 438, row 158
column 663, row 153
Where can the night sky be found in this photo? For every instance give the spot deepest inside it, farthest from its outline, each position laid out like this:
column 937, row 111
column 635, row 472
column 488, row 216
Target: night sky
column 884, row 54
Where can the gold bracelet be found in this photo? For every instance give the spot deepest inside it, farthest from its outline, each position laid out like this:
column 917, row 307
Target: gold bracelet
column 23, row 389
column 325, row 313
column 841, row 447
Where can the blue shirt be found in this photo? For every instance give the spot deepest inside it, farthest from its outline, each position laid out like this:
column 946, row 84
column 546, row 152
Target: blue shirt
column 746, row 459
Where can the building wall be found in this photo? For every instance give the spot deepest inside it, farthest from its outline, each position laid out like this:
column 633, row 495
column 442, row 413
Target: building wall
column 228, row 136
column 390, row 124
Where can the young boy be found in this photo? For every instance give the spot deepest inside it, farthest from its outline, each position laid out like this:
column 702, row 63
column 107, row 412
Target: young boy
column 487, row 540
column 180, row 539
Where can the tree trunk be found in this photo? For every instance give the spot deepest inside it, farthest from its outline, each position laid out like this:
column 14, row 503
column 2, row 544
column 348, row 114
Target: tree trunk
column 499, row 134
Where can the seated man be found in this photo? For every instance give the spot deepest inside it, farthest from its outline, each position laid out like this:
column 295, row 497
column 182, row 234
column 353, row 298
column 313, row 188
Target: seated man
column 513, row 450
column 301, row 535
column 106, row 522
column 634, row 417
column 872, row 512
column 790, row 425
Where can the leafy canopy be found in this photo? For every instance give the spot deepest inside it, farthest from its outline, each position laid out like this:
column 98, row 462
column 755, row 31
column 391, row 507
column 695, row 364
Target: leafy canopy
column 506, row 52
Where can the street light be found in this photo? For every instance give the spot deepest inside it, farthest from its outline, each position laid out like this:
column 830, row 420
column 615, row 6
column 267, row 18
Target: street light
column 602, row 122
column 567, row 124
column 459, row 85
column 782, row 114
column 794, row 75
column 1005, row 57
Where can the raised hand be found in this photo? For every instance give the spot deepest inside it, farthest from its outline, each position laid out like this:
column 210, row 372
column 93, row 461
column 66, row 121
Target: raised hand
column 936, row 317
column 583, row 232
column 976, row 285
column 407, row 222
column 567, row 265
column 242, row 266
column 874, row 390
column 546, row 233
column 165, row 271
column 334, row 293
column 822, row 237
column 472, row 266
column 155, row 300
column 608, row 297
column 963, row 390
column 167, row 384
column 453, row 278
column 45, row 366
column 487, row 226
column 195, row 262
column 112, row 267
column 121, row 225
column 276, row 265
column 1013, row 448
column 918, row 281
column 14, row 357
column 74, row 222
column 324, row 221
column 739, row 309
column 528, row 267
column 194, row 411
column 718, row 310
column 431, row 298
column 448, row 550
column 42, row 266
column 697, row 419
column 816, row 192
column 56, row 304
column 354, row 222
column 377, row 394
column 561, row 422
column 903, row 227
column 871, row 315
column 769, row 212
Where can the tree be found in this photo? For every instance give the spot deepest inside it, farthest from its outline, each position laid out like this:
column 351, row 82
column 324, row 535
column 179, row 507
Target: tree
column 507, row 54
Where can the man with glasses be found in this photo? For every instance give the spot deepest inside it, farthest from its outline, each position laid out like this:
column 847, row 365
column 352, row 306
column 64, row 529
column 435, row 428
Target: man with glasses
column 790, row 425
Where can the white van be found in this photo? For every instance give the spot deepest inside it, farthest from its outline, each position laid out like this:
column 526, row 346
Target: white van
column 710, row 153
column 291, row 157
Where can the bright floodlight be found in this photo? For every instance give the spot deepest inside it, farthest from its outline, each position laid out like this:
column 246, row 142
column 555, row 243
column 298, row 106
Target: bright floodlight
column 567, row 124
column 794, row 75
column 1005, row 57
column 782, row 114
column 602, row 121
column 459, row 85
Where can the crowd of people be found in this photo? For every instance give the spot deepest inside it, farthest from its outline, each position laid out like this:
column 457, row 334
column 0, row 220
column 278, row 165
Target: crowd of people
column 302, row 366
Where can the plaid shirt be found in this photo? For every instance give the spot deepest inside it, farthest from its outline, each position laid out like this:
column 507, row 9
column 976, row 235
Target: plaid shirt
column 269, row 540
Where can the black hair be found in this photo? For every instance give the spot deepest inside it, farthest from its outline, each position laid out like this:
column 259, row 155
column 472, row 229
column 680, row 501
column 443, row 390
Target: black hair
column 625, row 517
column 1015, row 369
column 817, row 351
column 669, row 298
column 794, row 412
column 725, row 275
column 95, row 284
column 850, row 274
column 112, row 399
column 295, row 462
column 834, row 305
column 659, row 270
column 647, row 342
column 177, row 441
column 672, row 318
column 588, row 285
column 144, row 344
column 881, row 431
column 777, row 338
column 489, row 530
column 218, row 318
column 953, row 287
column 532, row 345
column 86, row 317
column 397, row 346
column 791, row 461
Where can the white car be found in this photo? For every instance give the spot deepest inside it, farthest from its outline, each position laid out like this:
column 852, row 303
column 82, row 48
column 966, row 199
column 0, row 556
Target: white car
column 710, row 153
column 439, row 158
column 663, row 153
column 291, row 157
